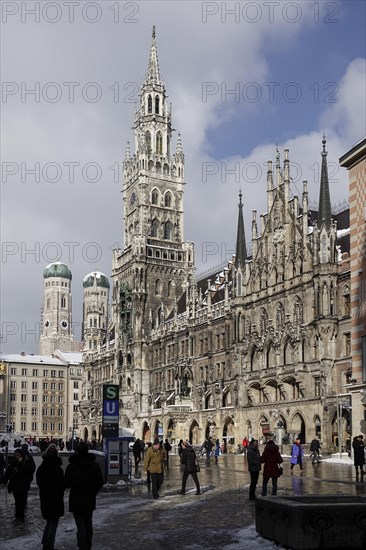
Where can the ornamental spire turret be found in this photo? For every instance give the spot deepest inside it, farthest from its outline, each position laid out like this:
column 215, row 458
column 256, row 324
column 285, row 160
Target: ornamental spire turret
column 153, row 72
column 127, row 152
column 325, row 211
column 241, row 248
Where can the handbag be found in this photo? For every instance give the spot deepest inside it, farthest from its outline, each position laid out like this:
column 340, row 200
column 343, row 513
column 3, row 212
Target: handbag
column 280, row 470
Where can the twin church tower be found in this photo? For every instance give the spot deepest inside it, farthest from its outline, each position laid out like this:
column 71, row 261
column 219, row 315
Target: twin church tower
column 56, row 330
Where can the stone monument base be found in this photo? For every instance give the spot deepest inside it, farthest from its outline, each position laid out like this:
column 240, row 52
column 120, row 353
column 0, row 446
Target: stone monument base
column 312, row 522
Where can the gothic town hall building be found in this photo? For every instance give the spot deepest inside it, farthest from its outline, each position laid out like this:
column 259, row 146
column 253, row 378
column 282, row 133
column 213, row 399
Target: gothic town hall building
column 260, row 349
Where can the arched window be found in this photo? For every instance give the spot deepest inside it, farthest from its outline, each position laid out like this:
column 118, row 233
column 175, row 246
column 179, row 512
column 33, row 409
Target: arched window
column 168, row 199
column 159, row 143
column 346, row 301
column 238, row 284
column 154, row 228
column 48, row 303
column 149, row 104
column 157, row 101
column 157, row 287
column 154, row 197
column 63, row 301
column 168, row 229
column 170, row 289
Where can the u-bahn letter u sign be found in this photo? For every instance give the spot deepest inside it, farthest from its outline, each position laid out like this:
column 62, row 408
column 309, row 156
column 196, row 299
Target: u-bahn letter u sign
column 110, row 410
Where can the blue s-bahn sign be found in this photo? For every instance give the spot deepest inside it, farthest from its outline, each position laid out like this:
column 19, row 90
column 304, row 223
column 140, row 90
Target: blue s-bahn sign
column 110, row 410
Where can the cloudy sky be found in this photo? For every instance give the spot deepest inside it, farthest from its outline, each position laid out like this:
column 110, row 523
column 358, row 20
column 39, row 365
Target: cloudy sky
column 240, row 76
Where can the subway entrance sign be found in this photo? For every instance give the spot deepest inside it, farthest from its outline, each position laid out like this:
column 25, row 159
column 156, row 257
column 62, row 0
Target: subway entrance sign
column 110, row 410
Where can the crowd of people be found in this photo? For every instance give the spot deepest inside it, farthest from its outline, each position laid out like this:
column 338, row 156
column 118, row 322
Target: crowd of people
column 82, row 476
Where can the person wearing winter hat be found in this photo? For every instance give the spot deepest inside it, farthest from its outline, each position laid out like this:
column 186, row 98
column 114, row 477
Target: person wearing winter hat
column 18, row 475
column 154, row 463
column 50, row 480
column 84, row 477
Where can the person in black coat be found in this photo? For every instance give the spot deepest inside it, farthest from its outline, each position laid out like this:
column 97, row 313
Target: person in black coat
column 28, row 458
column 85, row 479
column 168, row 448
column 50, row 480
column 254, row 466
column 136, row 450
column 19, row 475
column 359, row 455
column 188, row 459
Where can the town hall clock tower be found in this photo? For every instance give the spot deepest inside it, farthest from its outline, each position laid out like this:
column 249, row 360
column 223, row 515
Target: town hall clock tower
column 154, row 267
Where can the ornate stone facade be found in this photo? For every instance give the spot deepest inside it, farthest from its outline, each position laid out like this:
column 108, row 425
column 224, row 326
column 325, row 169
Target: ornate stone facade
column 261, row 348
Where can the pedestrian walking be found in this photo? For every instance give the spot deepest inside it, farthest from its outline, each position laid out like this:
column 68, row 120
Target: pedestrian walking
column 167, row 448
column 180, row 447
column 315, row 450
column 358, row 446
column 297, row 453
column 29, row 460
column 254, row 466
column 208, row 446
column 136, row 451
column 217, row 450
column 189, row 460
column 18, row 476
column 84, row 477
column 153, row 463
column 51, row 483
column 271, row 458
column 245, row 446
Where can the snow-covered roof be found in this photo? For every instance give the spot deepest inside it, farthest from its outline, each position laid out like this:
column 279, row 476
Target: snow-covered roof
column 97, row 274
column 71, row 357
column 33, row 359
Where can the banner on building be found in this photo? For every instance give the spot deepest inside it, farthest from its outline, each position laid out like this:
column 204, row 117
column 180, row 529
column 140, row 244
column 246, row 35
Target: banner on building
column 110, row 410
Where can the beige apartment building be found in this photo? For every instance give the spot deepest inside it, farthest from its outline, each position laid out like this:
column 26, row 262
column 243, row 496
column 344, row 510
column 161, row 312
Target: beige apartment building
column 40, row 394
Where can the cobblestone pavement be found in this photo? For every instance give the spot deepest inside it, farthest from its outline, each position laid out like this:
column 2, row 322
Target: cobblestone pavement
column 222, row 517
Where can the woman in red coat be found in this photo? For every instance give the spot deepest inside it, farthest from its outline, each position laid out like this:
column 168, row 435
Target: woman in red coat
column 270, row 458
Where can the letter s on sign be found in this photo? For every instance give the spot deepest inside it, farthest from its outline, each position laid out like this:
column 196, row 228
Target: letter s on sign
column 111, row 392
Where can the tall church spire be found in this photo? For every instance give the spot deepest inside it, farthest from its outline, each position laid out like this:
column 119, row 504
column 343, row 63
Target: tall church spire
column 153, row 72
column 241, row 247
column 325, row 211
